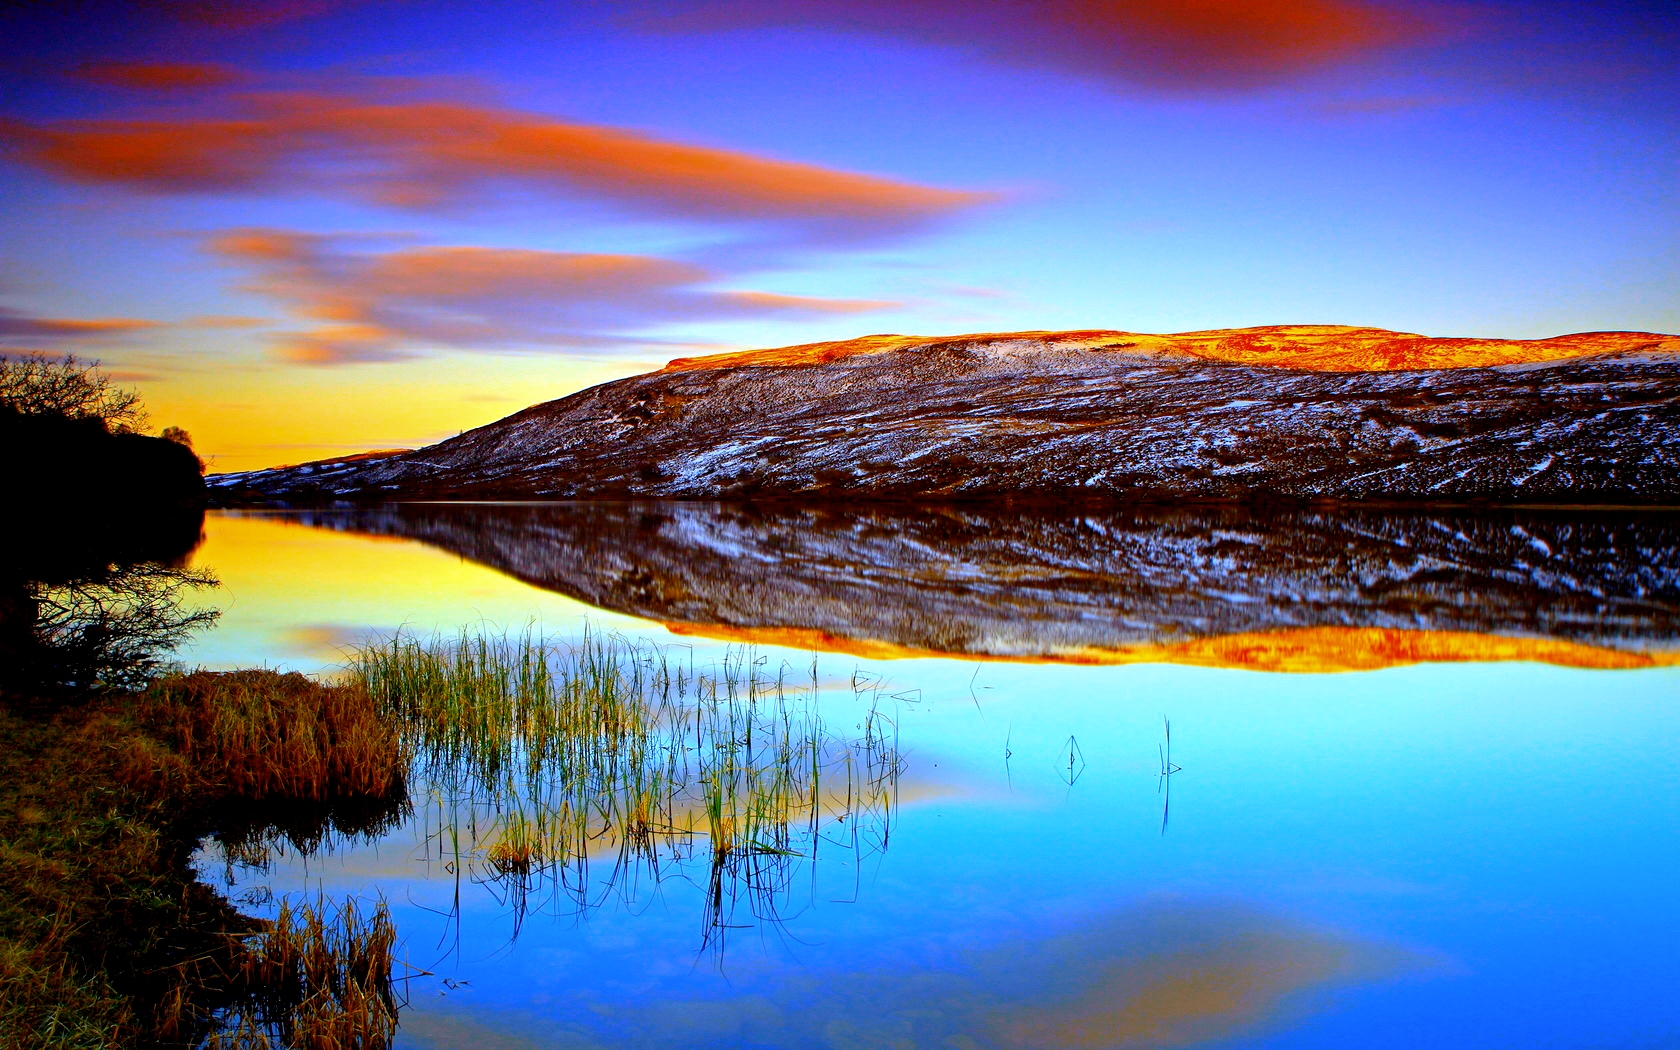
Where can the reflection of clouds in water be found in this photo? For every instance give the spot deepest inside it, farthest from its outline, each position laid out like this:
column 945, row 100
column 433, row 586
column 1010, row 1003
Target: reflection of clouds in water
column 1165, row 974
column 329, row 642
column 1197, row 977
column 423, row 1029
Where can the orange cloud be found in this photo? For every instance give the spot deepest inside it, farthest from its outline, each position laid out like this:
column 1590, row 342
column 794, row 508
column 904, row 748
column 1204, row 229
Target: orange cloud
column 159, row 76
column 429, row 154
column 773, row 301
column 370, row 306
column 1168, row 43
column 227, row 321
column 14, row 325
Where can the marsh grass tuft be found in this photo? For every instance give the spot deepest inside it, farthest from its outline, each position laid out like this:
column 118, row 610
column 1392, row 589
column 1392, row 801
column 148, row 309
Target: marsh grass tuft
column 263, row 735
column 107, row 938
column 543, row 756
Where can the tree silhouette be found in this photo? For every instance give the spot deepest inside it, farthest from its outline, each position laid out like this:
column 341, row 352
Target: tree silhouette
column 69, row 388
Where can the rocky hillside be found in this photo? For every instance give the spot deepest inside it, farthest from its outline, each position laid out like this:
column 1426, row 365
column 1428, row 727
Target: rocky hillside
column 1296, row 413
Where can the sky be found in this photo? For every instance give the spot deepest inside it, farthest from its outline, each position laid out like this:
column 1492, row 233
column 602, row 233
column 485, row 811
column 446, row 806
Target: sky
column 310, row 228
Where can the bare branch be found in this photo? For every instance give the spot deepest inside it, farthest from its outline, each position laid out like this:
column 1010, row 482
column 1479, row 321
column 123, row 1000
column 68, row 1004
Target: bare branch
column 38, row 385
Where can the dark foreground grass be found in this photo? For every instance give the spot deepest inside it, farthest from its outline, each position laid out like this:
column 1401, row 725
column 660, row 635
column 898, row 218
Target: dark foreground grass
column 106, row 936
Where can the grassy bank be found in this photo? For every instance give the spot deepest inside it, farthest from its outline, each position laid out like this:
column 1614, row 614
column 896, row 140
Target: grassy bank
column 110, row 776
column 106, row 936
column 536, row 759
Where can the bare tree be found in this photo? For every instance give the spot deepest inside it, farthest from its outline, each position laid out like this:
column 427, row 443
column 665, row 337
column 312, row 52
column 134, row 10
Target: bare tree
column 38, row 385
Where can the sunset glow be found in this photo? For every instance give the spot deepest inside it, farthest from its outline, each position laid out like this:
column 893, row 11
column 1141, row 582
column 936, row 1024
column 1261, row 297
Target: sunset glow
column 308, row 230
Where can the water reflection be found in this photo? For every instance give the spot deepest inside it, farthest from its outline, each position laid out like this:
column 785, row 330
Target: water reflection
column 1452, row 806
column 1177, row 975
column 1166, row 973
column 1281, row 590
column 88, row 604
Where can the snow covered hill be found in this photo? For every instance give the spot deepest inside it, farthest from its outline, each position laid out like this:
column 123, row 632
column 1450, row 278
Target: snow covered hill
column 1296, row 413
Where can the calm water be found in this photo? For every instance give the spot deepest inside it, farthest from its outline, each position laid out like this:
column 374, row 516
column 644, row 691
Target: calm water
column 1429, row 790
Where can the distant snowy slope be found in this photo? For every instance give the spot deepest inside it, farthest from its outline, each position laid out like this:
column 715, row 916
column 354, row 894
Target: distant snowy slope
column 1588, row 418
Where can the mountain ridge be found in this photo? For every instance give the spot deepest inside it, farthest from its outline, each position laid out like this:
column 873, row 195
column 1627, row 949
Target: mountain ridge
column 1318, row 348
column 1091, row 414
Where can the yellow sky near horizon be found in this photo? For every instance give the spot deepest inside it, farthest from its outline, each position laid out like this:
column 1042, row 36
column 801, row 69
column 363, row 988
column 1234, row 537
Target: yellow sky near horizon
column 246, row 418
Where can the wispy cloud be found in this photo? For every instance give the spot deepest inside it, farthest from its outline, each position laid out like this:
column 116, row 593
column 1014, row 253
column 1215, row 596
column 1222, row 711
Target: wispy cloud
column 225, row 321
column 772, row 302
column 424, row 155
column 158, row 76
column 387, row 305
column 1184, row 44
column 30, row 330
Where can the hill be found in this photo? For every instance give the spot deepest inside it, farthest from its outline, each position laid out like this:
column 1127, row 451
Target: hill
column 1283, row 413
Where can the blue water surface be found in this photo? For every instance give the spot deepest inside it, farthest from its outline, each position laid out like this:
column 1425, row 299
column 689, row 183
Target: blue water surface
column 1440, row 855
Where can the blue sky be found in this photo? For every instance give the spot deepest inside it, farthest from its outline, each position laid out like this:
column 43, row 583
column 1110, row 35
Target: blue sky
column 455, row 226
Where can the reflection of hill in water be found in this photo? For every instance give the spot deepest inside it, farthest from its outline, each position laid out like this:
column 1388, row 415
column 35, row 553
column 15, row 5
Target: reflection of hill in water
column 1198, row 585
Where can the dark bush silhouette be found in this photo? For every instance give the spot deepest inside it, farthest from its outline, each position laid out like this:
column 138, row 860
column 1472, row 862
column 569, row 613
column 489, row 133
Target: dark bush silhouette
column 92, row 592
column 89, row 488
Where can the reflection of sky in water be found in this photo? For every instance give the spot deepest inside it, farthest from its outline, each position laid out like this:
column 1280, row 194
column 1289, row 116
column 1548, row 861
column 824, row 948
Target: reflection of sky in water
column 1439, row 855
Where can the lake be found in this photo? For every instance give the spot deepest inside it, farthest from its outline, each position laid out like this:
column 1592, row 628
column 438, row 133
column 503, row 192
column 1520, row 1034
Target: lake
column 1423, row 785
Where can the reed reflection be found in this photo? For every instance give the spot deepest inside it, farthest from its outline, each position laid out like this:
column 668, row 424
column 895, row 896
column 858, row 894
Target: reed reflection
column 1277, row 590
column 560, row 776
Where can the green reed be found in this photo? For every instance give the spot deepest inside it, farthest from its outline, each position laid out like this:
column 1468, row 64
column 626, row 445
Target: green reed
column 549, row 754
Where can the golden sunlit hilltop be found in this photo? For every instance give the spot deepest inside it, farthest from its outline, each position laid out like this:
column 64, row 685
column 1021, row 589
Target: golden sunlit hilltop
column 1318, row 348
column 1303, row 412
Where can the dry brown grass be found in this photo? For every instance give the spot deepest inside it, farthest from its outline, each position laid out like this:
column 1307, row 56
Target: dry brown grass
column 262, row 735
column 102, row 923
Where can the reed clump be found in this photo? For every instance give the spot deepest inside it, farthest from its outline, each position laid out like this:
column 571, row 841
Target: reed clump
column 107, row 936
column 517, row 849
column 542, row 755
